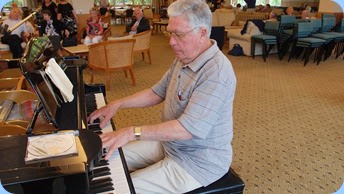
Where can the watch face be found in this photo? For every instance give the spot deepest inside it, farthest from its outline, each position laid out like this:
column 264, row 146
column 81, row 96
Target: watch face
column 137, row 132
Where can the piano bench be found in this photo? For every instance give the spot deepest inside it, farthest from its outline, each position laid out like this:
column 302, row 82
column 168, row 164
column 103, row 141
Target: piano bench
column 229, row 183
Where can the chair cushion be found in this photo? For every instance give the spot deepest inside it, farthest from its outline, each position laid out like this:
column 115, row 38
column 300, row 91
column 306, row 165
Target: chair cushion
column 311, row 40
column 4, row 47
column 264, row 37
column 236, row 33
column 225, row 19
column 324, row 36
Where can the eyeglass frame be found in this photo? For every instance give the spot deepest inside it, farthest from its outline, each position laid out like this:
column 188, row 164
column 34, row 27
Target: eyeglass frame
column 179, row 36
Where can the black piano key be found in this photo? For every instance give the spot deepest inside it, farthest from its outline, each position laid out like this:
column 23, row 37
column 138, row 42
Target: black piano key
column 101, row 182
column 102, row 163
column 101, row 171
column 96, row 121
column 94, row 128
column 101, row 190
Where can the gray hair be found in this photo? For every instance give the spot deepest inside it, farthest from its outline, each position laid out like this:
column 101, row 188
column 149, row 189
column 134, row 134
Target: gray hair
column 197, row 12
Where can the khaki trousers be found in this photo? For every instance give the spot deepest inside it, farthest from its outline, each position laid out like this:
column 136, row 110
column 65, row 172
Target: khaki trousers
column 153, row 172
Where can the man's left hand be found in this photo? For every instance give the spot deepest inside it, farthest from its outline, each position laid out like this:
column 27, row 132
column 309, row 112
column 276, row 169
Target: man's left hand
column 117, row 139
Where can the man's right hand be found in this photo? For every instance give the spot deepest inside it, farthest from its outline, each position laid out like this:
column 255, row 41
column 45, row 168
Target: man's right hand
column 105, row 113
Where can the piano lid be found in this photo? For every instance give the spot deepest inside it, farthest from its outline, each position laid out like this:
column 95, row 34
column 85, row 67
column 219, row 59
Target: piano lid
column 13, row 169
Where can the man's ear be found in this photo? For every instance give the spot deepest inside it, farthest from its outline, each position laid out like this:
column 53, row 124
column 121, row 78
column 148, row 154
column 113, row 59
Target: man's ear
column 204, row 33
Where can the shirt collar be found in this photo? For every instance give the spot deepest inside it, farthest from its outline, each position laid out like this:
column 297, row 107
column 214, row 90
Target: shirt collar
column 198, row 63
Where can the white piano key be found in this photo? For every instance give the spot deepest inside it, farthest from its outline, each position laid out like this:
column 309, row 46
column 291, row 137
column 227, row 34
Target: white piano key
column 100, row 103
column 118, row 176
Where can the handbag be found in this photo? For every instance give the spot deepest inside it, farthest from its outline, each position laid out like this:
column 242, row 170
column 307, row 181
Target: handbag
column 70, row 41
column 236, row 50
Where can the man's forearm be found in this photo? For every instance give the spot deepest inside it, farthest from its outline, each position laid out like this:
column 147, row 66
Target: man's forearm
column 144, row 98
column 167, row 131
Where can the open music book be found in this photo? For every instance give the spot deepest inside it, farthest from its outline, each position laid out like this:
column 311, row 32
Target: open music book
column 46, row 147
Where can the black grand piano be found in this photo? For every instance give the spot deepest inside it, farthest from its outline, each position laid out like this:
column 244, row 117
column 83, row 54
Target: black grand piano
column 85, row 173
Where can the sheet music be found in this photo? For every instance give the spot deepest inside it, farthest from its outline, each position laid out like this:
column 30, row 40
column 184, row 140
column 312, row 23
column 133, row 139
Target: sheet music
column 60, row 79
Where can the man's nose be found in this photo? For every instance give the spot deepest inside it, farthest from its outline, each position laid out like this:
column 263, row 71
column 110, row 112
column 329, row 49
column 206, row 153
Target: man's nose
column 172, row 41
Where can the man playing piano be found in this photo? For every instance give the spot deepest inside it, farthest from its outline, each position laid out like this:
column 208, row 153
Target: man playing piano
column 191, row 148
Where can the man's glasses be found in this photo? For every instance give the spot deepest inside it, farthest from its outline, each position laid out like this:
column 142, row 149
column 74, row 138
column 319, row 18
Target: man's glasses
column 178, row 35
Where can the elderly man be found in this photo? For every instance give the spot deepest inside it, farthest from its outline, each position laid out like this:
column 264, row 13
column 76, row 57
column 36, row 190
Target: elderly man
column 191, row 147
column 139, row 24
column 15, row 39
column 289, row 11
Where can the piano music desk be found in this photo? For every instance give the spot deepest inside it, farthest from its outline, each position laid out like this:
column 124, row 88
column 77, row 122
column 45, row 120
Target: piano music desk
column 80, row 50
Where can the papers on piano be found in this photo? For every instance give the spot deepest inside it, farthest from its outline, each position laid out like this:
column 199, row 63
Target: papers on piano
column 45, row 147
column 60, row 79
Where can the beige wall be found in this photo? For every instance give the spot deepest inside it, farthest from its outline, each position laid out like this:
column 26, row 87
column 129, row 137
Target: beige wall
column 328, row 6
column 299, row 3
column 82, row 6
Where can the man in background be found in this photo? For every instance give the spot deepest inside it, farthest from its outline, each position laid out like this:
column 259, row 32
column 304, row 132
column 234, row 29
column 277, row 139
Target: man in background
column 139, row 24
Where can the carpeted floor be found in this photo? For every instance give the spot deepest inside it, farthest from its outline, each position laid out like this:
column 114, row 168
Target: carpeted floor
column 288, row 119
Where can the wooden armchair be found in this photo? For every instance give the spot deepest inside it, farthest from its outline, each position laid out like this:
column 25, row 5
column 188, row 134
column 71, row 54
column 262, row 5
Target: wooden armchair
column 112, row 55
column 12, row 79
column 143, row 44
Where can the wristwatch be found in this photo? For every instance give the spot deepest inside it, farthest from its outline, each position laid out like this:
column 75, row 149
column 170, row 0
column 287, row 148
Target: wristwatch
column 137, row 132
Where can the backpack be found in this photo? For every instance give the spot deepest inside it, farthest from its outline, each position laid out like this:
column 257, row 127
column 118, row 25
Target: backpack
column 236, row 50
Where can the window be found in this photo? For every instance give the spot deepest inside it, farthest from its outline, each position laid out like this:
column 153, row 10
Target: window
column 127, row 2
column 258, row 2
column 18, row 2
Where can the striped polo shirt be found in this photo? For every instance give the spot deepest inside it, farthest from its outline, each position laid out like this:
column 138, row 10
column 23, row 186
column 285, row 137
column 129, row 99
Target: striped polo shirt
column 200, row 96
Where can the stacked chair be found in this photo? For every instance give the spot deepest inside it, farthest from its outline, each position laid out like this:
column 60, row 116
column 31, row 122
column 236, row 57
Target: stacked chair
column 340, row 46
column 268, row 39
column 286, row 33
column 326, row 24
column 339, row 36
column 302, row 39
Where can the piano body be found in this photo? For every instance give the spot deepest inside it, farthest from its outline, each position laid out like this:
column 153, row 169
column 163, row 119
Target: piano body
column 85, row 173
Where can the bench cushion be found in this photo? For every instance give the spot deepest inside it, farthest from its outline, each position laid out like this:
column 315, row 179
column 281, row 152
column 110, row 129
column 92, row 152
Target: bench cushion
column 229, row 183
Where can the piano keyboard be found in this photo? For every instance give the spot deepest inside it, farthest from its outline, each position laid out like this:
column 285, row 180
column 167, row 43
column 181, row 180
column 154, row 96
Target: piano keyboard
column 109, row 176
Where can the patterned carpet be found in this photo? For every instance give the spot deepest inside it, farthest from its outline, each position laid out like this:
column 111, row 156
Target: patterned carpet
column 288, row 119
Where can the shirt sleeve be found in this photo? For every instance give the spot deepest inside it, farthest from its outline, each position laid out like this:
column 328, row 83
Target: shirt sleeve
column 206, row 104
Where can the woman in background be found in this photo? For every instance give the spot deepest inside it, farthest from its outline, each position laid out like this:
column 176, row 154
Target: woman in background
column 51, row 6
column 94, row 28
column 68, row 16
column 103, row 7
column 53, row 29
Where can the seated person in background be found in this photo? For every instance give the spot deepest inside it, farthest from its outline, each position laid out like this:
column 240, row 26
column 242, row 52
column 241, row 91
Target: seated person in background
column 267, row 8
column 272, row 16
column 53, row 29
column 15, row 39
column 305, row 14
column 237, row 8
column 103, row 7
column 30, row 24
column 227, row 4
column 289, row 11
column 139, row 24
column 260, row 8
column 191, row 147
column 94, row 28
